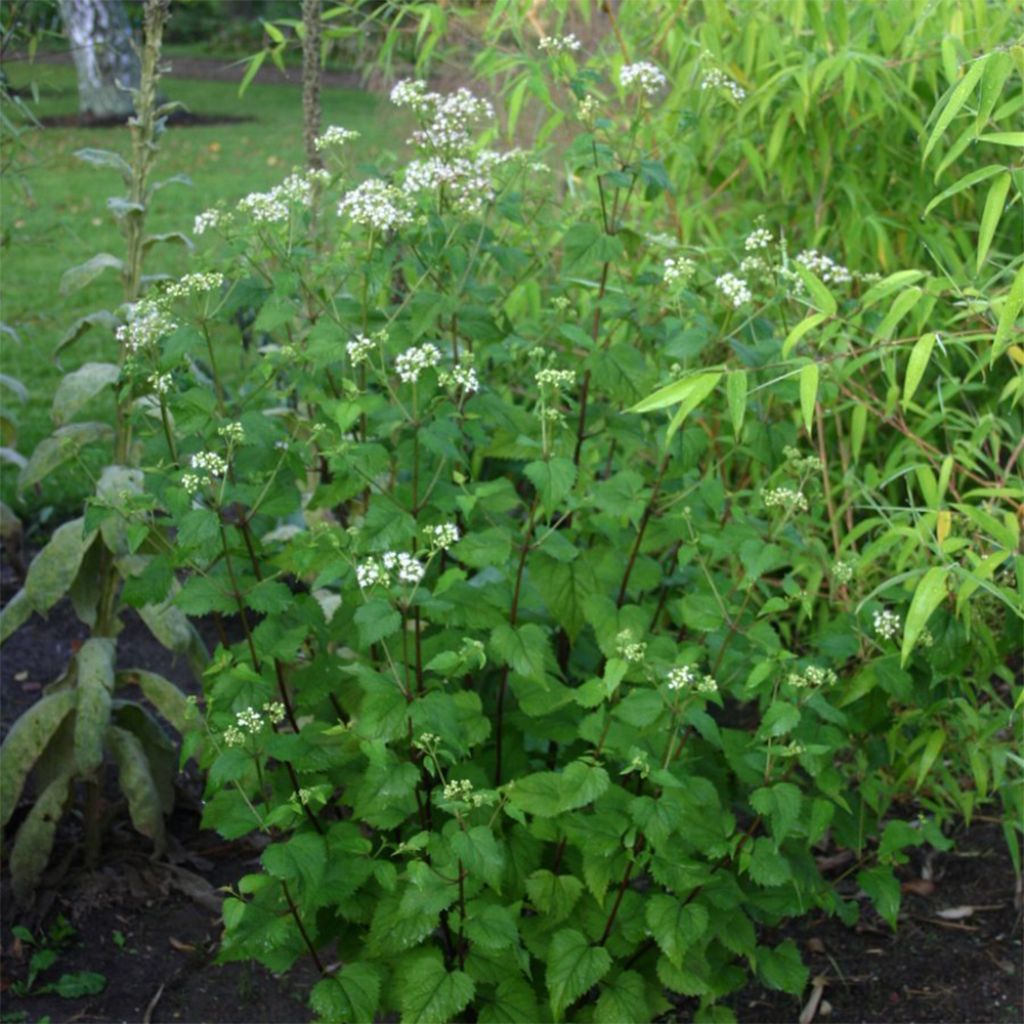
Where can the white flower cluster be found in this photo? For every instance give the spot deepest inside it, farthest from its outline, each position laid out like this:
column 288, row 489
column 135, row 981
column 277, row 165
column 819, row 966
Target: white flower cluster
column 373, row 572
column 753, row 265
column 443, row 535
column 251, row 721
column 798, row 463
column 734, row 289
column 842, row 572
column 195, row 284
column 784, row 497
column 628, row 649
column 678, row 270
column 359, row 349
column 587, row 110
column 811, row 677
column 375, row 204
column 160, row 382
column 643, row 75
column 208, row 465
column 234, row 433
column 887, row 624
column 824, row 267
column 206, row 220
column 413, row 361
column 335, row 136
column 466, row 180
column 273, row 207
column 760, row 238
column 460, row 378
column 556, row 379
column 559, row 44
column 684, row 676
column 147, row 323
column 461, row 791
column 715, row 78
column 450, row 118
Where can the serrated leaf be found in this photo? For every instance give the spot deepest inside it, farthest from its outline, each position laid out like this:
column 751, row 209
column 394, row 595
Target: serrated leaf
column 432, row 995
column 553, row 480
column 994, row 203
column 26, row 740
column 137, row 783
column 554, row 895
column 782, row 967
column 480, row 854
column 781, row 805
column 916, row 365
column 376, row 620
column 78, row 387
column 928, row 595
column 513, row 1002
column 301, row 859
column 808, row 393
column 884, row 889
column 63, row 444
column 349, row 996
column 623, row 998
column 32, row 846
column 54, row 569
column 95, row 686
column 767, row 866
column 522, row 648
column 676, row 926
column 574, row 967
column 87, row 272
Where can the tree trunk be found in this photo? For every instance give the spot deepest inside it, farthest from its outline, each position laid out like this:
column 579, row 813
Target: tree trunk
column 105, row 57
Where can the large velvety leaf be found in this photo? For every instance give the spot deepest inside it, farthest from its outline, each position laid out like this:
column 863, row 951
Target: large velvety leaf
column 63, row 444
column 34, row 841
column 54, row 569
column 25, row 742
column 15, row 613
column 101, row 318
column 87, row 272
column 77, row 387
column 138, row 785
column 116, row 486
column 574, row 967
column 95, row 687
column 164, row 695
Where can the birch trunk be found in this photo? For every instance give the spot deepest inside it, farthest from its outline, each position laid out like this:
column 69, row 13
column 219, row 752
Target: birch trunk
column 104, row 54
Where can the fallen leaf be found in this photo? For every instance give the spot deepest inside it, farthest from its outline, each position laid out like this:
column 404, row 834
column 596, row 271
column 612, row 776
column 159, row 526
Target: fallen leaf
column 181, row 947
column 955, row 913
column 919, row 886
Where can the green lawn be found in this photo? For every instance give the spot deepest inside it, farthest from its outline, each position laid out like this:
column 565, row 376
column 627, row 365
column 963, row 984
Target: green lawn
column 63, row 221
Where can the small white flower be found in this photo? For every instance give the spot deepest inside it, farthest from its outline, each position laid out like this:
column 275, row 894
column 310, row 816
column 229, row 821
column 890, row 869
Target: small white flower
column 275, row 711
column 824, row 267
column 233, row 736
column 784, row 497
column 148, row 322
column 160, row 382
column 194, row 284
column 335, row 135
column 206, row 220
column 629, row 649
column 587, row 110
column 209, row 462
column 760, row 238
column 842, row 572
column 460, row 378
column 707, row 685
column 734, row 289
column 375, row 204
column 249, row 720
column 559, row 44
column 886, row 623
column 681, row 677
column 443, row 535
column 359, row 349
column 410, row 570
column 644, row 75
column 812, row 677
column 370, row 574
column 714, row 78
column 678, row 270
column 458, row 790
column 232, row 432
column 556, row 379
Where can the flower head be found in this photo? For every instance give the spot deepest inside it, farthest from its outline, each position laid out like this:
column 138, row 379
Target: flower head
column 887, row 624
column 335, row 135
column 413, row 361
column 644, row 75
column 734, row 288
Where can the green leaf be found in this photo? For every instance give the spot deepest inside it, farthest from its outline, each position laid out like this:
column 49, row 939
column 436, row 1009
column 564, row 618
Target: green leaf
column 623, row 998
column 799, row 330
column 168, row 236
column 582, row 783
column 585, row 244
column 1015, row 139
column 85, row 273
column 491, row 927
column 54, row 569
column 301, row 859
column 779, row 719
column 675, row 926
column 553, row 480
column 102, row 318
column 522, row 648
column 78, row 984
column 781, row 804
column 884, row 889
column 137, row 784
column 957, row 98
column 694, row 387
column 965, row 182
column 808, row 393
column 554, row 895
column 822, row 298
column 574, row 967
column 480, row 854
column 25, row 741
column 767, row 866
column 901, row 306
column 1012, row 305
column 34, row 841
column 994, row 202
column 164, row 695
column 884, row 288
column 928, row 595
column 350, row 996
column 14, row 614
column 782, row 967
column 916, row 365
column 513, row 1003
column 932, row 748
column 736, row 395
column 430, row 994
column 63, row 444
column 95, row 664
column 566, row 586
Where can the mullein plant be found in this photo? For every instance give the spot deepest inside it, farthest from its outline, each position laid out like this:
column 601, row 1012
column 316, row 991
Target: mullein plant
column 575, row 616
column 85, row 721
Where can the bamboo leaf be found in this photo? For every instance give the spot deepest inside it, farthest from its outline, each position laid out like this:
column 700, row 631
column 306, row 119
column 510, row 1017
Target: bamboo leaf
column 808, row 393
column 736, row 394
column 932, row 749
column 95, row 689
column 982, row 174
column 957, row 98
column 34, row 841
column 800, row 329
column 917, row 364
column 1008, row 316
column 902, row 305
column 929, row 594
column 994, row 203
column 823, row 299
column 699, row 382
column 706, row 383
column 25, row 742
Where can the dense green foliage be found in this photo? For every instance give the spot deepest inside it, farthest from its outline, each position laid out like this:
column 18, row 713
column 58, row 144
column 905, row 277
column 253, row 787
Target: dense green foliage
column 605, row 544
